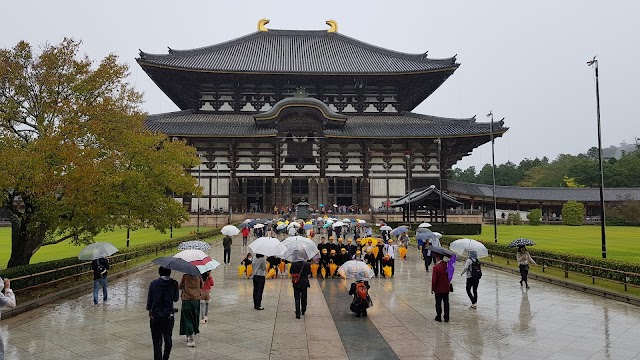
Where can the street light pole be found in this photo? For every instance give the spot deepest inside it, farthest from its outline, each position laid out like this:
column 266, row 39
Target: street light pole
column 440, row 181
column 198, row 218
column 409, row 187
column 387, row 166
column 493, row 174
column 594, row 63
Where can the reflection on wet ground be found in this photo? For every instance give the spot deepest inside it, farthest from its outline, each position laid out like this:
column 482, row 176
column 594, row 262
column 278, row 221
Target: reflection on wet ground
column 546, row 322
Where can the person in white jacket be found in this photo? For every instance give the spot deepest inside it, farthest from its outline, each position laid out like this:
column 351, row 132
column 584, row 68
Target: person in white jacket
column 7, row 302
column 472, row 283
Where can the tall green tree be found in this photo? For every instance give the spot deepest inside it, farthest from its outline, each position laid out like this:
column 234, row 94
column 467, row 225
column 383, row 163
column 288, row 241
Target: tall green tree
column 76, row 157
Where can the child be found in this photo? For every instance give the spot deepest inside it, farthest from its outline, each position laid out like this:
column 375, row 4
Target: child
column 205, row 296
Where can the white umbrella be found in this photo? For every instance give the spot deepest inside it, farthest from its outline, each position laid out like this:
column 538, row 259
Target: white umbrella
column 230, row 230
column 437, row 234
column 194, row 244
column 463, row 246
column 258, row 226
column 319, row 219
column 97, row 250
column 264, row 245
column 247, row 221
column 386, row 228
column 362, row 221
column 346, row 220
column 424, row 225
column 296, row 247
column 349, row 269
column 292, row 224
column 338, row 224
column 191, row 255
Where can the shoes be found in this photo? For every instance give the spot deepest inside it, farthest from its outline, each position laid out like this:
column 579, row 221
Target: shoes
column 303, row 313
column 520, row 282
column 528, row 287
column 204, row 320
column 358, row 315
column 437, row 319
column 297, row 316
column 364, row 313
column 446, row 319
column 191, row 343
column 473, row 306
column 260, row 308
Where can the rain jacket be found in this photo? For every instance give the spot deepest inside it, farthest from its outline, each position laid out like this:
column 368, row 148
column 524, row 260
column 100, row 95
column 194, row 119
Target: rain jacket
column 7, row 299
column 190, row 286
column 226, row 242
column 163, row 292
column 440, row 279
column 95, row 264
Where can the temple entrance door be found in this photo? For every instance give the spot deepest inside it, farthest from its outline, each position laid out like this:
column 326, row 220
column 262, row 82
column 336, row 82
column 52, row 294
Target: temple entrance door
column 255, row 204
column 344, row 200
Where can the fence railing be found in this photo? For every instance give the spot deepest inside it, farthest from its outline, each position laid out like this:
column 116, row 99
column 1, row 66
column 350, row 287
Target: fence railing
column 76, row 271
column 625, row 278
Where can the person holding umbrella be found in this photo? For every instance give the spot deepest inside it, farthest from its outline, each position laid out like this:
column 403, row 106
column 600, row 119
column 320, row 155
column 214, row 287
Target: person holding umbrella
column 191, row 286
column 300, row 271
column 100, row 268
column 259, row 273
column 473, row 270
column 524, row 259
column 440, row 286
column 163, row 292
column 226, row 244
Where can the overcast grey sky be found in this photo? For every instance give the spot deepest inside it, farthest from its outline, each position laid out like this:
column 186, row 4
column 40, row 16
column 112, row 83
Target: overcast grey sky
column 526, row 61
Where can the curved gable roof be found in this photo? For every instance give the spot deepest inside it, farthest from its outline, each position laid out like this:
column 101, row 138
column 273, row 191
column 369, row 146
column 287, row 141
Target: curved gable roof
column 294, row 51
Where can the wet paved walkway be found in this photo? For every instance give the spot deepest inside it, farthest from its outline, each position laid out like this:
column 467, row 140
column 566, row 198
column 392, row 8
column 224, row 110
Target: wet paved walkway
column 546, row 322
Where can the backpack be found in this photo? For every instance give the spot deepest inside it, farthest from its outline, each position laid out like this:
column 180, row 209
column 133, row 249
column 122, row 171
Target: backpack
column 361, row 291
column 476, row 271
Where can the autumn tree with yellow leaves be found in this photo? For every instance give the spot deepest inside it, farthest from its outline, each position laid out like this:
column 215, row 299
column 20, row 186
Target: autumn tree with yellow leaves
column 75, row 157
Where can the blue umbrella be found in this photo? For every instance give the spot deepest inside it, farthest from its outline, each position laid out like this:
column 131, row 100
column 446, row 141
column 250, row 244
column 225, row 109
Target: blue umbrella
column 307, row 226
column 243, row 225
column 177, row 264
column 422, row 236
column 253, row 222
column 399, row 230
column 326, row 225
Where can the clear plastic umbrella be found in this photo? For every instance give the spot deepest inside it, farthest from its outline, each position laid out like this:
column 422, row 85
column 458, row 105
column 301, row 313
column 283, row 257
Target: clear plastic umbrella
column 351, row 268
column 258, row 226
column 338, row 224
column 296, row 245
column 97, row 250
column 424, row 225
column 230, row 230
column 264, row 245
column 463, row 246
column 194, row 244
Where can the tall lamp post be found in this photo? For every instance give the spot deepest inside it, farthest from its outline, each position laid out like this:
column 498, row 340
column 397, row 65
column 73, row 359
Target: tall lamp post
column 593, row 62
column 493, row 175
column 386, row 203
column 409, row 187
column 440, row 181
column 198, row 217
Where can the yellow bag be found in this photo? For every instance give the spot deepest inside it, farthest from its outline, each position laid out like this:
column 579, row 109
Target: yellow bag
column 241, row 270
column 268, row 266
column 402, row 251
column 323, row 272
column 271, row 274
column 370, row 267
column 289, row 270
column 281, row 267
column 314, row 270
column 332, row 269
column 249, row 270
column 387, row 271
column 375, row 251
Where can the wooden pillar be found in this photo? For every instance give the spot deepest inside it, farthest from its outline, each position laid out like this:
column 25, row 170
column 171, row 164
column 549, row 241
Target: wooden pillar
column 365, row 195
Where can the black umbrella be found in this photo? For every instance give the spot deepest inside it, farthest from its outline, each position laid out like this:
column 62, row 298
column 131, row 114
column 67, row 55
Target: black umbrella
column 521, row 242
column 177, row 264
column 243, row 225
column 441, row 250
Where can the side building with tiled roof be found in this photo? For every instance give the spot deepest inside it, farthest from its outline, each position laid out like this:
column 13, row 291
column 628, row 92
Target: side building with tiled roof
column 284, row 115
column 549, row 199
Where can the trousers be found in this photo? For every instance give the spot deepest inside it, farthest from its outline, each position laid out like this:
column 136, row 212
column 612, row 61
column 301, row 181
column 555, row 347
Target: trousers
column 472, row 284
column 161, row 329
column 258, row 288
column 300, row 297
column 227, row 256
column 442, row 298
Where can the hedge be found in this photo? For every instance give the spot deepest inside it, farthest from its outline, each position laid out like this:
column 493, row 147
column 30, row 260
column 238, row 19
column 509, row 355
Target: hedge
column 139, row 250
column 578, row 263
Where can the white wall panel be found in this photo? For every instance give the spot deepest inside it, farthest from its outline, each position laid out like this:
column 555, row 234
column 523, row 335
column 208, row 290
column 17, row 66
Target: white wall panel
column 204, row 184
column 378, row 187
column 221, row 202
column 397, row 188
column 223, row 187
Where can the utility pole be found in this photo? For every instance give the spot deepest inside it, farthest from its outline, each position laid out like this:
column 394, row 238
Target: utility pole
column 594, row 63
column 442, row 210
column 493, row 174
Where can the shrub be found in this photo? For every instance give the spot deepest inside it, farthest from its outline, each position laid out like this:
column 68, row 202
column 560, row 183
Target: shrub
column 514, row 219
column 575, row 263
column 460, row 229
column 534, row 217
column 573, row 213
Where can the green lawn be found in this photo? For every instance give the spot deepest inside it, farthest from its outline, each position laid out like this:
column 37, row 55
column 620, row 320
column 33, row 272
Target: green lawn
column 623, row 242
column 64, row 249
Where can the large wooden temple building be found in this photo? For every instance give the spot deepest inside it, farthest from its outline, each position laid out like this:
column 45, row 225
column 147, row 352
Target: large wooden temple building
column 284, row 115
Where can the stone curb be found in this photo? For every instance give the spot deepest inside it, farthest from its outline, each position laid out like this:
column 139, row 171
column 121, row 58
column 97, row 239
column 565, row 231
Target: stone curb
column 571, row 285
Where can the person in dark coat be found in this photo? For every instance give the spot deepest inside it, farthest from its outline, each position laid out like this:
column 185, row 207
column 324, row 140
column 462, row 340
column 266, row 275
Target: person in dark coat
column 322, row 244
column 163, row 292
column 226, row 244
column 358, row 305
column 324, row 262
column 440, row 287
column 100, row 267
column 351, row 249
column 343, row 257
column 426, row 255
column 303, row 268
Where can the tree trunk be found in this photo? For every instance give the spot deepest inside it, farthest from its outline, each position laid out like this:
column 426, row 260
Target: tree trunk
column 24, row 243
